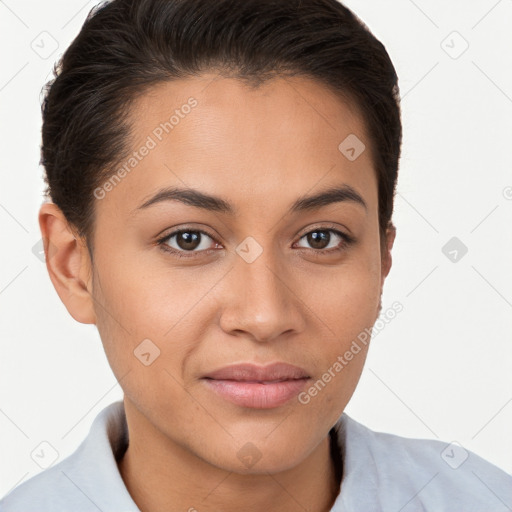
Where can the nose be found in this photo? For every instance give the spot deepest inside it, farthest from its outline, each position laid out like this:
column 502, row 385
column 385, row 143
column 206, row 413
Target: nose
column 261, row 301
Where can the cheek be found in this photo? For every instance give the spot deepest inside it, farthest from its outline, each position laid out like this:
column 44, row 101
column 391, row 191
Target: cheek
column 136, row 297
column 132, row 321
column 143, row 308
column 346, row 303
column 345, row 298
column 347, row 307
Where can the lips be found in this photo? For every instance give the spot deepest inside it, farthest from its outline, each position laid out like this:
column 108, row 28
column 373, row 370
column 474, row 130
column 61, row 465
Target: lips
column 252, row 372
column 258, row 387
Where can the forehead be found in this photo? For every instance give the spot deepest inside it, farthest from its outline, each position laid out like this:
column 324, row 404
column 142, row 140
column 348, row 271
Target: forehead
column 266, row 113
column 243, row 142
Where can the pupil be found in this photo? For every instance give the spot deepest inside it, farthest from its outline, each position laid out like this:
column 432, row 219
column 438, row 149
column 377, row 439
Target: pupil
column 188, row 240
column 319, row 239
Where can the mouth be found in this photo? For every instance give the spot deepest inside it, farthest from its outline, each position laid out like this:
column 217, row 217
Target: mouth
column 257, row 387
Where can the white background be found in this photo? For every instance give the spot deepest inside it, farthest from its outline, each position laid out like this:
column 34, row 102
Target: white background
column 442, row 369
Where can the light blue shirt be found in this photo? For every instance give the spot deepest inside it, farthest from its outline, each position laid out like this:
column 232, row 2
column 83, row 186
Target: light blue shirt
column 381, row 472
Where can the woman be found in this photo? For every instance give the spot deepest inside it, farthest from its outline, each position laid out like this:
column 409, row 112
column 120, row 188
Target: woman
column 220, row 182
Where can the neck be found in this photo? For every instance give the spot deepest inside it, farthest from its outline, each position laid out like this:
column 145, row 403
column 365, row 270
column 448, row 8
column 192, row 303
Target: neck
column 162, row 475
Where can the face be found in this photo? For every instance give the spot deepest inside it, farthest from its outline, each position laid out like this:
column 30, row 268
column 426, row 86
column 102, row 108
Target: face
column 184, row 286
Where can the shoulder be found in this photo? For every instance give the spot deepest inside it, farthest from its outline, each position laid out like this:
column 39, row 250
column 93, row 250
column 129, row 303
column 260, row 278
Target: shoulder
column 52, row 489
column 88, row 480
column 419, row 474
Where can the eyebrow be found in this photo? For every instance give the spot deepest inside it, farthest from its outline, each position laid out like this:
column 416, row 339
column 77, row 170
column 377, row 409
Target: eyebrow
column 191, row 197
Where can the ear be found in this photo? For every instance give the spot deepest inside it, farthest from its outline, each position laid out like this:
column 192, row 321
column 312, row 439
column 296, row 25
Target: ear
column 68, row 263
column 386, row 260
column 387, row 246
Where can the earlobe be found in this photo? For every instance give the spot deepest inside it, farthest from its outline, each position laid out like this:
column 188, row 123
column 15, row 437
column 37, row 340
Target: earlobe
column 68, row 263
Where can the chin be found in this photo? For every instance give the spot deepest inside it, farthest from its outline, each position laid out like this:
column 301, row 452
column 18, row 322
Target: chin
column 261, row 463
column 261, row 453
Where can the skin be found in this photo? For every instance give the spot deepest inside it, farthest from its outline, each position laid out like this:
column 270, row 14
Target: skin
column 260, row 149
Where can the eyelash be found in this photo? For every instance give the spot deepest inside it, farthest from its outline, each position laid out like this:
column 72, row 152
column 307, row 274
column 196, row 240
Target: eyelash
column 347, row 240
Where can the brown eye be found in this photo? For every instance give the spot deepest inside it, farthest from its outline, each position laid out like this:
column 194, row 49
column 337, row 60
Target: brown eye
column 318, row 239
column 325, row 240
column 187, row 240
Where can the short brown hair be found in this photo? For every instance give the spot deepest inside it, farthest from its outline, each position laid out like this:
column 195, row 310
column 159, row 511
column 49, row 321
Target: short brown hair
column 125, row 46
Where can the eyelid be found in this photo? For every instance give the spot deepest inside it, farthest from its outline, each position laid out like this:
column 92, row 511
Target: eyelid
column 347, row 239
column 347, row 236
column 177, row 231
